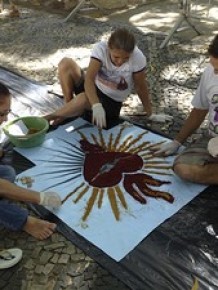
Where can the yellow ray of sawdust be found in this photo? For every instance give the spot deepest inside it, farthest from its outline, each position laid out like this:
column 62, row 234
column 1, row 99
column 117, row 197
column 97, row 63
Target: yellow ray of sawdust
column 109, row 145
column 133, row 142
column 73, row 192
column 195, row 285
column 102, row 140
column 82, row 192
column 140, row 148
column 117, row 140
column 156, row 144
column 100, row 199
column 83, row 137
column 147, row 156
column 113, row 202
column 121, row 197
column 158, row 166
column 124, row 144
column 156, row 172
column 95, row 140
column 90, row 203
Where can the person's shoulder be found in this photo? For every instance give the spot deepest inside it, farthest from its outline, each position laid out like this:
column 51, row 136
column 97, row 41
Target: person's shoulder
column 208, row 69
column 138, row 57
column 137, row 50
column 101, row 45
column 137, row 53
column 99, row 50
column 208, row 73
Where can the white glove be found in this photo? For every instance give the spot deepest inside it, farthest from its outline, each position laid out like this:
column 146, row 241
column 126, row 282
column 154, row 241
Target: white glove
column 167, row 149
column 212, row 147
column 98, row 115
column 50, row 198
column 160, row 118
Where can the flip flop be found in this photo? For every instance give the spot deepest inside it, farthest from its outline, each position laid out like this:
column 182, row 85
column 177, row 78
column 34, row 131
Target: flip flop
column 9, row 258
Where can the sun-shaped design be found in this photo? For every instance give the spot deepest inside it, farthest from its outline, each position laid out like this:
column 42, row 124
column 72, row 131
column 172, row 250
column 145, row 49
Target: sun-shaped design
column 104, row 165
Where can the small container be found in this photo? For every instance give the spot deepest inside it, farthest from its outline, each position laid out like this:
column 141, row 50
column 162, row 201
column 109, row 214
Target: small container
column 37, row 127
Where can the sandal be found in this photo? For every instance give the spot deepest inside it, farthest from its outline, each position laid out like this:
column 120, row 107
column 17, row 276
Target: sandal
column 9, row 258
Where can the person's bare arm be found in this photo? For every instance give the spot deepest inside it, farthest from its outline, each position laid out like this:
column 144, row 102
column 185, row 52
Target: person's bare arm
column 14, row 192
column 90, row 90
column 98, row 112
column 141, row 88
column 192, row 123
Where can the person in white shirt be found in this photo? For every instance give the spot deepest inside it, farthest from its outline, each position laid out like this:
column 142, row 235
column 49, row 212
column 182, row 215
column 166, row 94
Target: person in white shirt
column 116, row 67
column 199, row 162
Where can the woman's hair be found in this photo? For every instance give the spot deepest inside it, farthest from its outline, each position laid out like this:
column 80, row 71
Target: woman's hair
column 122, row 39
column 4, row 91
column 213, row 47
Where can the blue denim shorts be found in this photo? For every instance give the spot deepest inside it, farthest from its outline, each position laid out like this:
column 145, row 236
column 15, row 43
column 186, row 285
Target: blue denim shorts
column 12, row 216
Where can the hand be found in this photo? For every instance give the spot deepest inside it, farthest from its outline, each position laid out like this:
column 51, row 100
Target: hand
column 50, row 198
column 160, row 118
column 212, row 147
column 98, row 115
column 166, row 149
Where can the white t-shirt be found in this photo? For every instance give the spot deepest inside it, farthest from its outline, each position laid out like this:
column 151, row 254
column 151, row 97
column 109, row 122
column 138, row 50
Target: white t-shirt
column 206, row 97
column 117, row 82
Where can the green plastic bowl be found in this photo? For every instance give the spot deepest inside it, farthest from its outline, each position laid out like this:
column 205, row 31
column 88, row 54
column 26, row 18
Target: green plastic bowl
column 39, row 124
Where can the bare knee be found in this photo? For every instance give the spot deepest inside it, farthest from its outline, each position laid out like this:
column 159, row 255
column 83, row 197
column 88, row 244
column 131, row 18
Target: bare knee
column 66, row 62
column 70, row 67
column 186, row 172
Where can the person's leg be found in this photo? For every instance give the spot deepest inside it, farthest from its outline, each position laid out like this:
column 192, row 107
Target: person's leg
column 39, row 229
column 196, row 165
column 75, row 108
column 16, row 218
column 7, row 172
column 70, row 75
column 12, row 216
column 203, row 174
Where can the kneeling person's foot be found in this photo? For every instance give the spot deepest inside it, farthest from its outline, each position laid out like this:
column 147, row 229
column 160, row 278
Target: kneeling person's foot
column 39, row 229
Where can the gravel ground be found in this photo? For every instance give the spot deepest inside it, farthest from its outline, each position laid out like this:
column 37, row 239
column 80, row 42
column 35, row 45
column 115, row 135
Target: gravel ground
column 33, row 45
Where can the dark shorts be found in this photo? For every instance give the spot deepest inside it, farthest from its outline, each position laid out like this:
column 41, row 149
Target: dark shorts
column 112, row 108
column 196, row 154
column 79, row 88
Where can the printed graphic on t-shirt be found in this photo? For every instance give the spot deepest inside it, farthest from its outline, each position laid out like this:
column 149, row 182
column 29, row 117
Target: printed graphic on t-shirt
column 122, row 84
column 213, row 126
column 119, row 83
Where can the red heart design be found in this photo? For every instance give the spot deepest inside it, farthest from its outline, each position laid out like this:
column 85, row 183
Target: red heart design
column 106, row 169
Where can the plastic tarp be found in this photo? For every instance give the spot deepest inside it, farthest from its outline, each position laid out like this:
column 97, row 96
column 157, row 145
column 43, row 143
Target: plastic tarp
column 182, row 249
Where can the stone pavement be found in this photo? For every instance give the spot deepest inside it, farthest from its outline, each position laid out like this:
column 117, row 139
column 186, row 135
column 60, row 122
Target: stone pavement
column 33, row 45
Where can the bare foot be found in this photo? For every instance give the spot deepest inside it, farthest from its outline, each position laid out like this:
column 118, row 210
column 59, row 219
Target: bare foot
column 39, row 229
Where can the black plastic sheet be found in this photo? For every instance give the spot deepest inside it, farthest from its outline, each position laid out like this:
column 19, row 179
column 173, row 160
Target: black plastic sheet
column 181, row 249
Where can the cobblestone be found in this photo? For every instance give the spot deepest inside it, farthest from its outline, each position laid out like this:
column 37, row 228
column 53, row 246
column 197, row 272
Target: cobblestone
column 33, row 45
